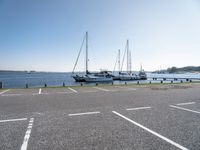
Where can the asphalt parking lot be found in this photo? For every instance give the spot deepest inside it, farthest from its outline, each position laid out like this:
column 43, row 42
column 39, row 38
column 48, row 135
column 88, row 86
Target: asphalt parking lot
column 145, row 117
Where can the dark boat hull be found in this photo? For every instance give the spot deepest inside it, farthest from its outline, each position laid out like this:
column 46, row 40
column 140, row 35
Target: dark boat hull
column 78, row 78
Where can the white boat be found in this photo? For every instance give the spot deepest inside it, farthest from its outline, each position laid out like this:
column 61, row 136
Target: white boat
column 93, row 78
column 142, row 75
column 88, row 76
column 125, row 76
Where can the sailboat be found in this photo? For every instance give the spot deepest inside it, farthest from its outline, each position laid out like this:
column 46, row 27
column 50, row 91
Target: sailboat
column 142, row 74
column 117, row 76
column 88, row 76
column 80, row 77
column 127, row 75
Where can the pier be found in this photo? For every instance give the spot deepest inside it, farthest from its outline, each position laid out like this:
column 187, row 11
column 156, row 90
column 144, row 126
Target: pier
column 172, row 78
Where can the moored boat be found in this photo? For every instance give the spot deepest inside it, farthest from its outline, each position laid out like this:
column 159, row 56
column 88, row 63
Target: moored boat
column 103, row 76
column 142, row 75
column 93, row 78
column 128, row 75
column 78, row 78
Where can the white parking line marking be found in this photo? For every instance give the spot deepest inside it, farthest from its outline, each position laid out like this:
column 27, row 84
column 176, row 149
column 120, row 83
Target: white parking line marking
column 40, row 94
column 188, row 103
column 138, row 108
column 73, row 90
column 40, row 91
column 86, row 113
column 152, row 132
column 64, row 92
column 185, row 109
column 11, row 120
column 27, row 135
column 4, row 91
column 12, row 94
column 127, row 88
column 102, row 89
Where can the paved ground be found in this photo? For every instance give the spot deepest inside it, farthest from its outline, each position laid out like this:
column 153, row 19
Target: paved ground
column 129, row 117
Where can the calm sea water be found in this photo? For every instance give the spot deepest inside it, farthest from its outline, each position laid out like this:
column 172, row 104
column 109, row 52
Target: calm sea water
column 20, row 79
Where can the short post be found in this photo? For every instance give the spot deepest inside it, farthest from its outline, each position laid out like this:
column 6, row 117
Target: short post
column 1, row 85
column 190, row 80
column 45, row 85
column 161, row 81
column 181, row 81
column 27, row 86
column 63, row 84
column 96, row 84
column 125, row 83
column 138, row 82
column 171, row 81
column 81, row 84
column 112, row 83
column 149, row 82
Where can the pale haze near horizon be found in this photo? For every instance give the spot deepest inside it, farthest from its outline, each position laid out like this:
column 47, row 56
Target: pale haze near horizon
column 46, row 35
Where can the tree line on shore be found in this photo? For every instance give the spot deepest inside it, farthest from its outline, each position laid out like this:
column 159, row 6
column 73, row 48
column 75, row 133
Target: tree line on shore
column 184, row 69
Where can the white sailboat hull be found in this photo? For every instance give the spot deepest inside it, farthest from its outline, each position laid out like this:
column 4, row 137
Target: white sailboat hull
column 98, row 79
column 128, row 77
column 142, row 75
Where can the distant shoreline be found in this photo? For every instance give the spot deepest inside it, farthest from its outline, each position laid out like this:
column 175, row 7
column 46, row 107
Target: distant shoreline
column 182, row 70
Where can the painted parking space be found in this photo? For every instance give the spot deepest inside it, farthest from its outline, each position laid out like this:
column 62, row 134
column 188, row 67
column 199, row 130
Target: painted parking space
column 154, row 133
column 115, row 88
column 126, row 88
column 58, row 131
column 80, row 90
column 180, row 129
column 19, row 92
column 97, row 129
column 12, row 132
column 102, row 89
column 108, row 88
column 92, row 130
column 67, row 90
column 191, row 107
column 55, row 91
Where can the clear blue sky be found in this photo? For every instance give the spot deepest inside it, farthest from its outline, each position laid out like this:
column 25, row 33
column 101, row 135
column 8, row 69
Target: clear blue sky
column 45, row 35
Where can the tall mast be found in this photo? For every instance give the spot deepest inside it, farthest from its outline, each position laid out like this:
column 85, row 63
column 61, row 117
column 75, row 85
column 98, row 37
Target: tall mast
column 86, row 53
column 127, row 56
column 130, row 63
column 119, row 60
